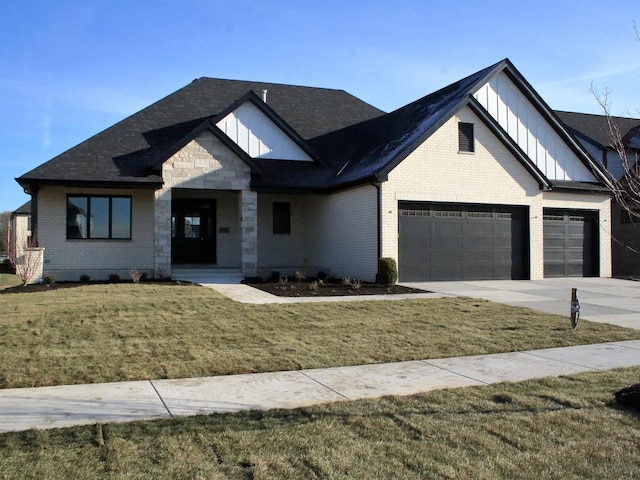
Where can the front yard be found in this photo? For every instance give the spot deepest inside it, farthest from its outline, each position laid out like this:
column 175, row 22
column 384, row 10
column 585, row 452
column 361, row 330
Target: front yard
column 566, row 427
column 113, row 332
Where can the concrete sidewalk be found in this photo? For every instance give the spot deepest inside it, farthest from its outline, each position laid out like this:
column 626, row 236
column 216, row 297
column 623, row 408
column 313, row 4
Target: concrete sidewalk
column 65, row 406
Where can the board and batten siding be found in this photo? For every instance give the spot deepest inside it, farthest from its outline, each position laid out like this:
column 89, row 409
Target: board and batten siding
column 257, row 135
column 68, row 259
column 341, row 232
column 530, row 130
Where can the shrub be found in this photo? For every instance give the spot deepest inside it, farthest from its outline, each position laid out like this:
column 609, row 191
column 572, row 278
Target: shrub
column 49, row 279
column 114, row 278
column 85, row 278
column 283, row 280
column 135, row 275
column 314, row 285
column 275, row 276
column 352, row 282
column 299, row 276
column 387, row 271
column 322, row 275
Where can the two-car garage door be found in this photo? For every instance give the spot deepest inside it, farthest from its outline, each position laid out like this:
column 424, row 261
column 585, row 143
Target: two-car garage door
column 462, row 242
column 439, row 241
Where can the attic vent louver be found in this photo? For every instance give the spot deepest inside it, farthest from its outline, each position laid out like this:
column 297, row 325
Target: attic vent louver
column 264, row 96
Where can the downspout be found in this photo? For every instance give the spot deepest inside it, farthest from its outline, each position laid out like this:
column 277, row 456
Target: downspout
column 34, row 215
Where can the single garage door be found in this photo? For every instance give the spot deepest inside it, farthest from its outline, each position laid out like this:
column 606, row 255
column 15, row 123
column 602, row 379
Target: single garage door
column 570, row 243
column 462, row 242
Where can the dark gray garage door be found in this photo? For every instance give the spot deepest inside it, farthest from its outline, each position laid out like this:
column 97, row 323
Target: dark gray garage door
column 462, row 242
column 570, row 243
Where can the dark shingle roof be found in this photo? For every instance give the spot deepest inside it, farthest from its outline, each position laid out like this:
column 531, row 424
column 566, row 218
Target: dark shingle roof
column 352, row 141
column 123, row 152
column 24, row 209
column 596, row 128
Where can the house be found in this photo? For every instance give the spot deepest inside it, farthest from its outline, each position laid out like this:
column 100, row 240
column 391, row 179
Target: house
column 594, row 134
column 19, row 231
column 478, row 180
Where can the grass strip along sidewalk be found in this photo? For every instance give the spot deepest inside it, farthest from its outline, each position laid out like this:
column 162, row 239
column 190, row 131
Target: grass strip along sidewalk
column 116, row 332
column 545, row 429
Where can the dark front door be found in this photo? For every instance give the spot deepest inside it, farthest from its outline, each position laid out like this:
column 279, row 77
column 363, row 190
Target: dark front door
column 193, row 231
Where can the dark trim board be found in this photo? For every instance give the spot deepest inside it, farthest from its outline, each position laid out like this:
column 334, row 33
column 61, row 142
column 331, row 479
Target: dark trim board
column 450, row 241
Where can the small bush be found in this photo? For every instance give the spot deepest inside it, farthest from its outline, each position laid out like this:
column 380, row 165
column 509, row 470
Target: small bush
column 387, row 271
column 352, row 282
column 135, row 275
column 114, row 278
column 314, row 285
column 283, row 280
column 299, row 276
column 322, row 275
column 274, row 276
column 49, row 279
column 85, row 278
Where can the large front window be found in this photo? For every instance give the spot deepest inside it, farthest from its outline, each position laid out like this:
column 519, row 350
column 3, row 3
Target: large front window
column 98, row 216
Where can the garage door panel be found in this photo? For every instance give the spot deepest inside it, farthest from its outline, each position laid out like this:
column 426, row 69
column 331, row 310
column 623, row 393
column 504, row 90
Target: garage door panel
column 570, row 239
column 463, row 241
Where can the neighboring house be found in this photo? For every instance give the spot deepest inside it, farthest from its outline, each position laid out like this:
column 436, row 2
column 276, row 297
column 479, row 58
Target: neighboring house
column 594, row 133
column 479, row 180
column 19, row 232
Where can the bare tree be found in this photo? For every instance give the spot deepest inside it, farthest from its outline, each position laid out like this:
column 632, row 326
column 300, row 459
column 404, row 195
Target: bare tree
column 626, row 146
column 627, row 187
column 25, row 257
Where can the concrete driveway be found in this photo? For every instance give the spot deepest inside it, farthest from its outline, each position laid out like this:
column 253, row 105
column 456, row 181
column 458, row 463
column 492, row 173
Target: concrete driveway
column 606, row 300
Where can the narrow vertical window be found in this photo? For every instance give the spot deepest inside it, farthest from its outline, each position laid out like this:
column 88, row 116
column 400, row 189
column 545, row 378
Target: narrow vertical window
column 281, row 217
column 465, row 137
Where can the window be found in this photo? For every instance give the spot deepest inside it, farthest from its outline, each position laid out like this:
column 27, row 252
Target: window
column 281, row 217
column 98, row 216
column 465, row 137
column 630, row 216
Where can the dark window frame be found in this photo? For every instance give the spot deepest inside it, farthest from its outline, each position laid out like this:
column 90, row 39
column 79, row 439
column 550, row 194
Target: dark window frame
column 282, row 218
column 72, row 223
column 630, row 217
column 466, row 138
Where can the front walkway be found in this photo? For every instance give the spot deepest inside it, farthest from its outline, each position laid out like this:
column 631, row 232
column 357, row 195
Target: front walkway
column 65, row 406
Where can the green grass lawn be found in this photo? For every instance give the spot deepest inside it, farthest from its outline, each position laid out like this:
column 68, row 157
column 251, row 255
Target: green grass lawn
column 565, row 428
column 100, row 333
column 8, row 280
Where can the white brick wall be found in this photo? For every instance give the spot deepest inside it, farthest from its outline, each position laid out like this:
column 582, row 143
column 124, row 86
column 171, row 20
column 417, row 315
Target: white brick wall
column 341, row 232
column 436, row 172
column 69, row 259
column 282, row 252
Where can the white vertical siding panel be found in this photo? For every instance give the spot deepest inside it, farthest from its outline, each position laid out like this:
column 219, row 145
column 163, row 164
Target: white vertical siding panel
column 257, row 135
column 514, row 112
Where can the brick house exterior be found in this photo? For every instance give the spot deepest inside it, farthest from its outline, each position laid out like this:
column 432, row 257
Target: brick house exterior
column 306, row 179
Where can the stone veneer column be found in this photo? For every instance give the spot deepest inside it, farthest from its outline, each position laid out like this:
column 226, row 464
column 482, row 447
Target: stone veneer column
column 249, row 227
column 162, row 233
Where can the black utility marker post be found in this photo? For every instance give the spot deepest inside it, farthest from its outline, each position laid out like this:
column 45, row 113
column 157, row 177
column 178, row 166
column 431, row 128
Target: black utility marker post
column 575, row 308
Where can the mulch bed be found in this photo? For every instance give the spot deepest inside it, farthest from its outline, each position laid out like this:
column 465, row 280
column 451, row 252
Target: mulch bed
column 333, row 288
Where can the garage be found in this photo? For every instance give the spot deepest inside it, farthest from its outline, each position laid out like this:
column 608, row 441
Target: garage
column 570, row 243
column 445, row 241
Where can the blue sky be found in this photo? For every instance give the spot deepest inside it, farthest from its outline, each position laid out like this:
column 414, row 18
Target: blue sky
column 69, row 69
